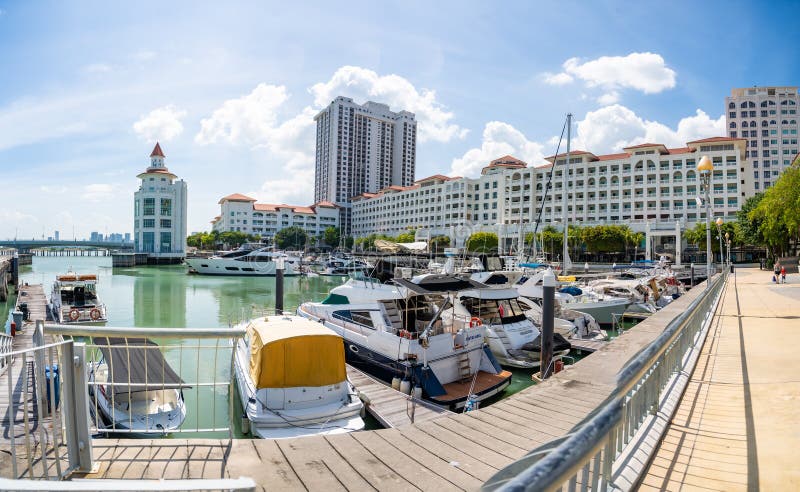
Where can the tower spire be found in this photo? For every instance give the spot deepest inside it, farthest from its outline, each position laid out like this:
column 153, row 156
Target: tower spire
column 157, row 152
column 157, row 156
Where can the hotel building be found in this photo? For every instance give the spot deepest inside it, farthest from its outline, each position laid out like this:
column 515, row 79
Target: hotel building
column 159, row 222
column 362, row 149
column 648, row 186
column 242, row 213
column 767, row 118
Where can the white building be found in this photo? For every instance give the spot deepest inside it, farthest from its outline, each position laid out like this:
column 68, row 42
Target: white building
column 159, row 223
column 362, row 149
column 647, row 186
column 767, row 118
column 241, row 213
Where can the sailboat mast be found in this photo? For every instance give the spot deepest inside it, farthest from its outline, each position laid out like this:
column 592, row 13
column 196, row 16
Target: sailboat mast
column 564, row 200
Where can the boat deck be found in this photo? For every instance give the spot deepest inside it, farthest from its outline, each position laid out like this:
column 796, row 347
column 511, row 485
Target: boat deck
column 390, row 407
column 458, row 390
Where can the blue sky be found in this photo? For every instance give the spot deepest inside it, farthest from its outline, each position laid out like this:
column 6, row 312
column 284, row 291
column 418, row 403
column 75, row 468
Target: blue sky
column 230, row 89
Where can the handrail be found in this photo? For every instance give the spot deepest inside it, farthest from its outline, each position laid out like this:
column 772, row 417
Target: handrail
column 601, row 436
column 92, row 331
column 635, row 369
column 241, row 483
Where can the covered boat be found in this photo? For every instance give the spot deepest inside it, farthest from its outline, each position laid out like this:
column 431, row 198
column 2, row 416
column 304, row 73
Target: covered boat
column 74, row 299
column 292, row 379
column 134, row 388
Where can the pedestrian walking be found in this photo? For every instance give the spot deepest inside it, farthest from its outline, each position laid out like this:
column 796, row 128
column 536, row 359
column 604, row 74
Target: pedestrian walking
column 586, row 267
column 783, row 275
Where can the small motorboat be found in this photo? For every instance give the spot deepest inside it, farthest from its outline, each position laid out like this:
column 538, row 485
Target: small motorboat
column 292, row 379
column 133, row 389
column 74, row 299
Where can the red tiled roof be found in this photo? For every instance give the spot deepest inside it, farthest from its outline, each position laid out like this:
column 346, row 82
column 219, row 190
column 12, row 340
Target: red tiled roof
column 157, row 170
column 644, row 145
column 611, row 157
column 716, row 139
column 236, row 197
column 508, row 160
column 435, row 176
column 325, row 203
column 571, row 153
column 681, row 150
column 157, row 152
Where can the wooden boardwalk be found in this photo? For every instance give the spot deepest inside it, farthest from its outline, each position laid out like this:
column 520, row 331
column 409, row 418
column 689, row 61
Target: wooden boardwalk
column 390, row 407
column 736, row 426
column 588, row 346
column 449, row 452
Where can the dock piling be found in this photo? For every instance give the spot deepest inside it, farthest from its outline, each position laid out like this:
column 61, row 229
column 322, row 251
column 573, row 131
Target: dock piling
column 279, row 286
column 548, row 321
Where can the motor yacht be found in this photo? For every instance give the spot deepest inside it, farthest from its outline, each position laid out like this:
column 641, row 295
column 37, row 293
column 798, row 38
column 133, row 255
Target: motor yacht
column 74, row 299
column 248, row 260
column 412, row 334
column 292, row 379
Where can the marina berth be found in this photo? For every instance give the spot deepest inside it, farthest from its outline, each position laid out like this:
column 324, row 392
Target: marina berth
column 407, row 335
column 74, row 299
column 292, row 379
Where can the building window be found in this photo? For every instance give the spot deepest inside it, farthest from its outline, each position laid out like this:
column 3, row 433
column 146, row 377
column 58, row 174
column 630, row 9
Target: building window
column 166, row 242
column 149, row 206
column 166, row 223
column 148, row 223
column 166, row 207
column 148, row 242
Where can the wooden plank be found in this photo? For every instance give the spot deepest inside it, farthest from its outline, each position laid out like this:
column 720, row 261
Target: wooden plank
column 451, row 454
column 309, row 467
column 415, row 473
column 481, row 437
column 371, row 468
column 318, row 450
column 263, row 461
column 477, row 450
column 446, row 469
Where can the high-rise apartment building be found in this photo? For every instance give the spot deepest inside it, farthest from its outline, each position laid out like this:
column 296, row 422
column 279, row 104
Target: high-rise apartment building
column 767, row 118
column 362, row 149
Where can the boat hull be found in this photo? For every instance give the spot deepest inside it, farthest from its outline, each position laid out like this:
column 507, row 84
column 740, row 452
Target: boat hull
column 234, row 268
column 602, row 312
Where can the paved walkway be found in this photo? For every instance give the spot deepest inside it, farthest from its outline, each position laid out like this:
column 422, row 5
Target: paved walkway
column 738, row 424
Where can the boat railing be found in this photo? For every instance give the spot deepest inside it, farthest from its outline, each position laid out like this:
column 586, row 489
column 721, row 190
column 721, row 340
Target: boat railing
column 350, row 321
column 188, row 371
column 591, row 456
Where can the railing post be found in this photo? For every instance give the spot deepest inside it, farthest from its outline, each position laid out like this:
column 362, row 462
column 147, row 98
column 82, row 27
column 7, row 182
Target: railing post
column 39, row 369
column 76, row 408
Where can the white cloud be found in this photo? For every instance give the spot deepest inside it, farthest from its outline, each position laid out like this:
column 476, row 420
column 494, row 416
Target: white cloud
column 292, row 188
column 646, row 72
column 252, row 120
column 434, row 122
column 98, row 68
column 498, row 139
column 57, row 189
column 144, row 55
column 162, row 124
column 557, row 78
column 611, row 128
column 608, row 98
column 98, row 192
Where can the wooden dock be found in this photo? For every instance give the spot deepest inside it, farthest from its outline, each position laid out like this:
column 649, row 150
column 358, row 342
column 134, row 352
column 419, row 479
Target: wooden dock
column 446, row 452
column 390, row 407
column 588, row 346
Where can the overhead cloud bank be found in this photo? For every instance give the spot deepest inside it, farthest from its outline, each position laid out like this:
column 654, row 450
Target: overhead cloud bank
column 605, row 130
column 162, row 124
column 646, row 72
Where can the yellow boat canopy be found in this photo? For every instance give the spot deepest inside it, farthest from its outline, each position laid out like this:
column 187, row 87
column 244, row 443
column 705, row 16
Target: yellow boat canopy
column 291, row 352
column 567, row 278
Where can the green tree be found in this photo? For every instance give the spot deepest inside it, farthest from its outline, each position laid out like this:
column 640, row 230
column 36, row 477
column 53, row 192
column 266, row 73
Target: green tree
column 482, row 242
column 234, row 238
column 437, row 244
column 750, row 226
column 195, row 240
column 294, row 237
column 406, row 237
column 331, row 236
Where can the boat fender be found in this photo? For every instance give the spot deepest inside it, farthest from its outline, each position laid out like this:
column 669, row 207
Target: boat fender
column 475, row 321
column 417, row 392
column 396, row 383
column 74, row 314
column 245, row 425
column 364, row 398
column 94, row 314
column 405, row 386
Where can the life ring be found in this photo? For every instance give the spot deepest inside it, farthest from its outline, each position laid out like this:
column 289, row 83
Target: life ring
column 405, row 334
column 74, row 314
column 475, row 321
column 94, row 314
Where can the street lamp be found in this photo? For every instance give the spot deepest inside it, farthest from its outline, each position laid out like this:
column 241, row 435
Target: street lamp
column 728, row 243
column 719, row 235
column 705, row 167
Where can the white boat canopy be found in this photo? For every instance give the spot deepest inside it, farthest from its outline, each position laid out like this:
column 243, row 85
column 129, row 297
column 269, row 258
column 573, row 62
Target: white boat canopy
column 392, row 247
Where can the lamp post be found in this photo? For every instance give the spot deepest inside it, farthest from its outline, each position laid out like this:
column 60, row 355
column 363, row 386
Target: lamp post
column 728, row 244
column 705, row 168
column 719, row 235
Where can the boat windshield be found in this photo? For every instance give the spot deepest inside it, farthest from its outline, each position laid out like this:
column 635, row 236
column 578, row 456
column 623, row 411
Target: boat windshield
column 494, row 311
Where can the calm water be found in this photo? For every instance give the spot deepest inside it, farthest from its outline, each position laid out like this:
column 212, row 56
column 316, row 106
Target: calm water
column 166, row 296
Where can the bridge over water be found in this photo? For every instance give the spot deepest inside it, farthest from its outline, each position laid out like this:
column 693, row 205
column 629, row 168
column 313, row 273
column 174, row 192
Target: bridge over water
column 26, row 246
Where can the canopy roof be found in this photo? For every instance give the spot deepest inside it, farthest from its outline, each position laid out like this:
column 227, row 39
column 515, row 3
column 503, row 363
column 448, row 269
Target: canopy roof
column 137, row 361
column 74, row 277
column 289, row 352
column 392, row 247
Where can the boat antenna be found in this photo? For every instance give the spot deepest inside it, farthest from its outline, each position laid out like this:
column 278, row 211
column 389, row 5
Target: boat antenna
column 548, row 185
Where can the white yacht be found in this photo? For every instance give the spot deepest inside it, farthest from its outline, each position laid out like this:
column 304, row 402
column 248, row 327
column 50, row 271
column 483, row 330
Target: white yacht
column 344, row 265
column 248, row 260
column 602, row 307
column 411, row 333
column 134, row 389
column 292, row 379
column 74, row 299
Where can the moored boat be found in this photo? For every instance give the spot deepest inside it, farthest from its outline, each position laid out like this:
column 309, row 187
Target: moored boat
column 74, row 299
column 248, row 260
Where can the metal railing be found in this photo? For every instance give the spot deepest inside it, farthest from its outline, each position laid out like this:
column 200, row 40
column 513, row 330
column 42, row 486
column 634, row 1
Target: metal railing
column 585, row 459
column 157, row 380
column 6, row 346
